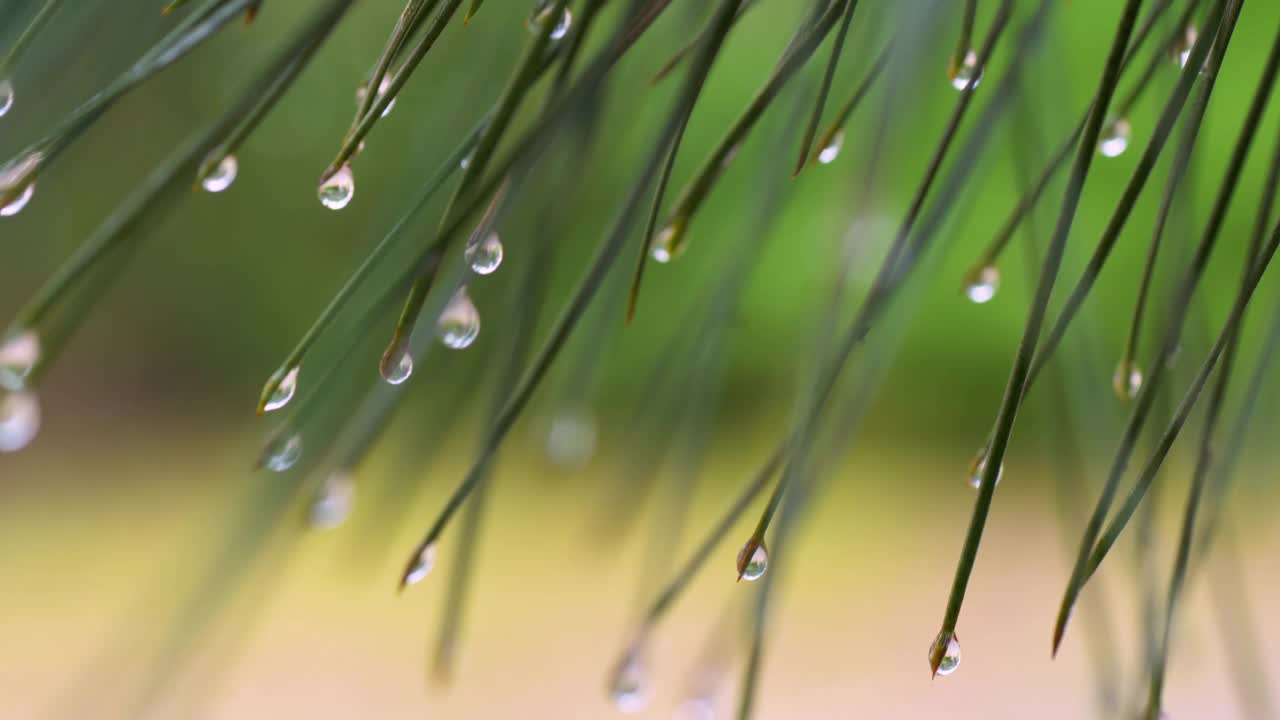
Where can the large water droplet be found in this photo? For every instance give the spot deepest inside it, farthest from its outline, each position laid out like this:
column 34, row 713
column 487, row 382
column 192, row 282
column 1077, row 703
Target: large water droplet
column 338, row 189
column 951, row 657
column 1115, row 138
column 629, row 687
column 668, row 244
column 284, row 392
column 1127, row 380
column 332, row 505
column 6, row 97
column 222, row 176
column 422, row 565
column 283, row 453
column 571, row 441
column 755, row 566
column 978, row 466
column 459, row 324
column 19, row 354
column 363, row 89
column 485, row 256
column 964, row 73
column 831, row 150
column 1180, row 50
column 19, row 419
column 399, row 367
column 981, row 285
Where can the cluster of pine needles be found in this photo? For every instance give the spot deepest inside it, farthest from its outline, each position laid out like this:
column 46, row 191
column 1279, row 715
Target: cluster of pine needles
column 550, row 109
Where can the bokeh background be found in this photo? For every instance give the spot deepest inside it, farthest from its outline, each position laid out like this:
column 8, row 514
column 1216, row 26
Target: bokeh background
column 147, row 571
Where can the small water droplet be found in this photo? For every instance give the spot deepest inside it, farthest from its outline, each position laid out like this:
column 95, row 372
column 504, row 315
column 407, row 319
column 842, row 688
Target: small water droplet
column 571, row 441
column 338, row 189
column 978, row 466
column 1115, row 138
column 19, row 201
column 284, row 391
column 19, row 419
column 1127, row 380
column 629, row 687
column 1180, row 50
column 465, row 162
column 668, row 244
column 542, row 12
column 19, row 355
column 6, row 97
column 562, row 28
column 962, row 74
column 754, row 567
column 422, row 565
column 332, row 505
column 222, row 176
column 982, row 284
column 17, row 183
column 363, row 89
column 400, row 368
column 951, row 658
column 485, row 256
column 698, row 708
column 283, row 453
column 459, row 324
column 831, row 150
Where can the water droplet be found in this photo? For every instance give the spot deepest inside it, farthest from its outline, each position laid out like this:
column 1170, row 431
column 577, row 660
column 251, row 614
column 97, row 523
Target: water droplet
column 962, row 74
column 951, row 658
column 338, row 189
column 1180, row 50
column 831, row 150
column 283, row 453
column 19, row 355
column 284, row 391
column 363, row 89
column 668, row 244
column 629, row 688
column 698, row 708
column 978, row 466
column 754, row 567
column 485, row 256
column 332, row 505
column 1115, row 138
column 562, row 28
column 400, row 368
column 17, row 183
column 222, row 176
column 19, row 419
column 422, row 565
column 465, row 162
column 542, row 12
column 1127, row 380
column 981, row 285
column 459, row 324
column 571, row 440
column 6, row 97
column 20, row 201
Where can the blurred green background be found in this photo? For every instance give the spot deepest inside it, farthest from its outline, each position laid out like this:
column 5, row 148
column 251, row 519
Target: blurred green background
column 139, row 481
